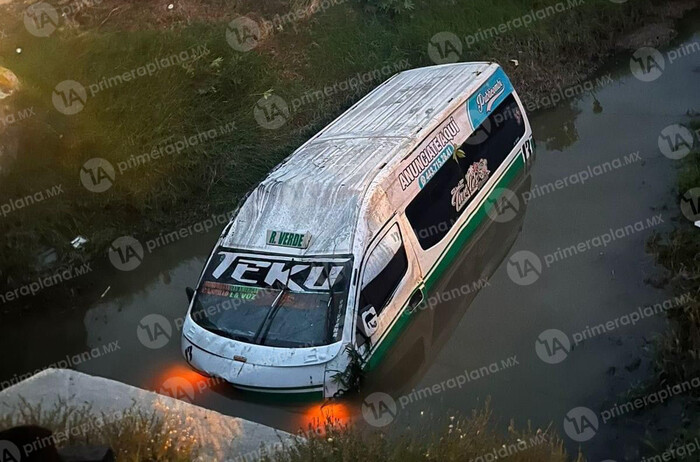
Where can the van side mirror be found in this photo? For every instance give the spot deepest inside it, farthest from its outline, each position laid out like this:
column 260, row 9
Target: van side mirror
column 190, row 293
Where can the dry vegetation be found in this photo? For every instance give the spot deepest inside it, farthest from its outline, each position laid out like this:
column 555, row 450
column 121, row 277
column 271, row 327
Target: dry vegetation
column 135, row 435
column 460, row 439
column 141, row 436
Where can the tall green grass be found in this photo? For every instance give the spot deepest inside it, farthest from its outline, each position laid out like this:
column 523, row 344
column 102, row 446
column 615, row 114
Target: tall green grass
column 678, row 349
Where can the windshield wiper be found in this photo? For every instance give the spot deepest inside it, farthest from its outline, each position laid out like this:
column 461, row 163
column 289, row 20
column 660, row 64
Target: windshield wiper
column 262, row 330
column 261, row 334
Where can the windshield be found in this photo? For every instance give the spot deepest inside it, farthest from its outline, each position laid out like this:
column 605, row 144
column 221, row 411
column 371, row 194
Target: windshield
column 273, row 300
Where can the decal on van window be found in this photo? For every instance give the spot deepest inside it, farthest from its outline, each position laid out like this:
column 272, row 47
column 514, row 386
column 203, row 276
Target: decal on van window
column 477, row 175
column 370, row 321
column 285, row 239
column 441, row 202
column 273, row 300
column 435, row 165
column 488, row 97
column 259, row 271
column 528, row 149
column 221, row 289
column 433, row 155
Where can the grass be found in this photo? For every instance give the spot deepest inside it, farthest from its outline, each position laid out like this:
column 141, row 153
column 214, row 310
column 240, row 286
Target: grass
column 139, row 435
column 222, row 86
column 135, row 435
column 460, row 439
column 678, row 350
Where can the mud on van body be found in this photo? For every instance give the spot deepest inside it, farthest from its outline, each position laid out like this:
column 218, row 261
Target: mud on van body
column 342, row 241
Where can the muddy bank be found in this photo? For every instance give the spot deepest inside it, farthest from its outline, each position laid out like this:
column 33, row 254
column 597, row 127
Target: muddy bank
column 544, row 71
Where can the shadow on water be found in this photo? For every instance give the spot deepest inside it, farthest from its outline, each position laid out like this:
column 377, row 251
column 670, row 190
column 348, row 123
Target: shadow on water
column 44, row 336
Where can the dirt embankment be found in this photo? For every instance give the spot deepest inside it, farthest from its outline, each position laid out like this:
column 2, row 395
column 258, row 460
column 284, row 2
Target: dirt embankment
column 657, row 33
column 558, row 62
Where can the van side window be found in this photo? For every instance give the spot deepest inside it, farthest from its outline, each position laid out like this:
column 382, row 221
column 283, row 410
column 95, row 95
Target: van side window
column 384, row 269
column 441, row 202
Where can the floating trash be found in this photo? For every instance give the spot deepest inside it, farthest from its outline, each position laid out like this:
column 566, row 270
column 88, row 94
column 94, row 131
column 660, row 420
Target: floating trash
column 9, row 83
column 78, row 242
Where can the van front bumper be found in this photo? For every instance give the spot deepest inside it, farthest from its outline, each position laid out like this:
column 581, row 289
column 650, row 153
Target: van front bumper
column 309, row 379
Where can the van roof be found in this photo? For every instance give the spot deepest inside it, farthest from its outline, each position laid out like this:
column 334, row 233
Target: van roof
column 320, row 188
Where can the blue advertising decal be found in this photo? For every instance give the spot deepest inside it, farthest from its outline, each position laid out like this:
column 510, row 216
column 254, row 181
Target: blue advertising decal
column 433, row 153
column 490, row 95
column 435, row 165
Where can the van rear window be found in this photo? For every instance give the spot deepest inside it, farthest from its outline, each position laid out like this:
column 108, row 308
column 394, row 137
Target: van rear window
column 441, row 202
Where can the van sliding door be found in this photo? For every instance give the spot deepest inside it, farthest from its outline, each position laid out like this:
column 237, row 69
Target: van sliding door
column 389, row 277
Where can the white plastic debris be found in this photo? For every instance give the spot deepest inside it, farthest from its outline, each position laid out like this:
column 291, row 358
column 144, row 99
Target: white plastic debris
column 78, row 242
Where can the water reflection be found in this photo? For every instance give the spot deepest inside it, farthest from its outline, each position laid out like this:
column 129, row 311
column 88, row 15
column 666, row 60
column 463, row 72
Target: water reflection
column 9, row 84
column 557, row 127
column 417, row 348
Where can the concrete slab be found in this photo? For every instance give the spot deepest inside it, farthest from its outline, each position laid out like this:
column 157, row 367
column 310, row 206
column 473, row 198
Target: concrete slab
column 221, row 437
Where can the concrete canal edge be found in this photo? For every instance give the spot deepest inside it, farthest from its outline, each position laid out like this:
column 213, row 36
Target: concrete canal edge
column 220, row 437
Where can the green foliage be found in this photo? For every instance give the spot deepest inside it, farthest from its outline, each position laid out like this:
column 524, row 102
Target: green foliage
column 139, row 435
column 351, row 379
column 390, row 7
column 678, row 350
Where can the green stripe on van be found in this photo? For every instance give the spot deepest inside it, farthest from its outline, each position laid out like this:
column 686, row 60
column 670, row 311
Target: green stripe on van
column 445, row 260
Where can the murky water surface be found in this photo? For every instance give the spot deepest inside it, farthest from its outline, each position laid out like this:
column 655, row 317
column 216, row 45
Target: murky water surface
column 443, row 363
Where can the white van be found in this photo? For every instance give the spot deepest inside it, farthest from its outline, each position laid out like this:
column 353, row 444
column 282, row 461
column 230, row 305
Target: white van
column 341, row 242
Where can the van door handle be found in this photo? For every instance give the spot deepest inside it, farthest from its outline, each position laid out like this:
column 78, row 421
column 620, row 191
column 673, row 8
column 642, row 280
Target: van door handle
column 416, row 299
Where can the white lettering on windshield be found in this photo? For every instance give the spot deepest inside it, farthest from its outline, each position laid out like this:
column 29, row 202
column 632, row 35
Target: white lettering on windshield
column 225, row 263
column 245, row 266
column 284, row 276
column 298, row 277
